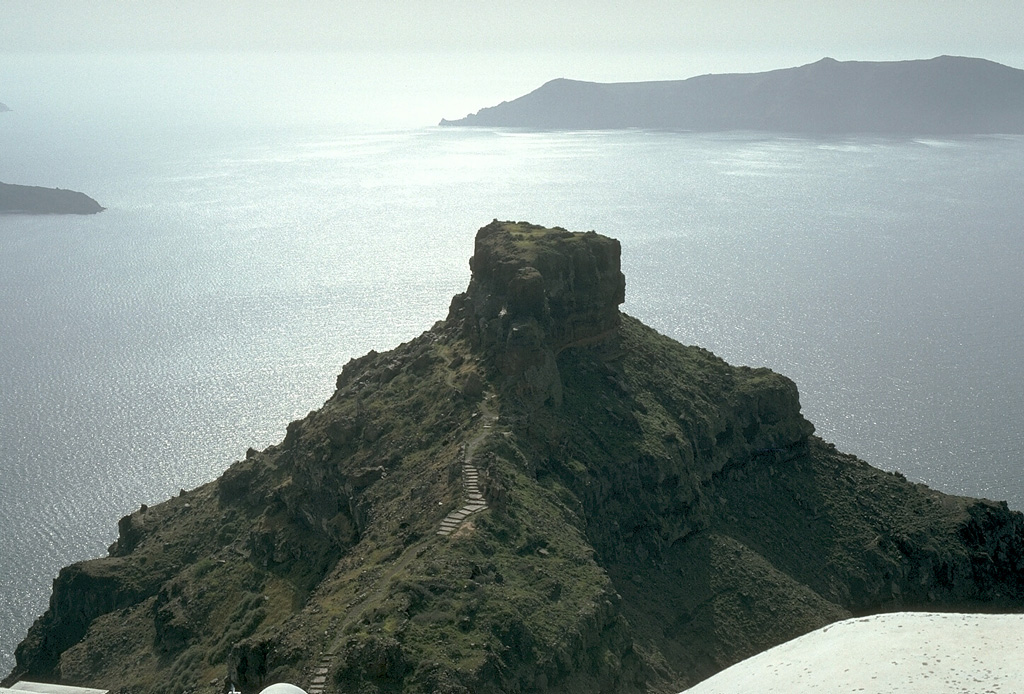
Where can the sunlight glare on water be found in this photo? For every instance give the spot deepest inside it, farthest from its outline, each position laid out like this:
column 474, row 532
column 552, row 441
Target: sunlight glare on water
column 230, row 279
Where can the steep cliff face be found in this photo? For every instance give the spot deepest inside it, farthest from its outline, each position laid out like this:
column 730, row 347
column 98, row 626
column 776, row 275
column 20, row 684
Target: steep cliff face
column 534, row 293
column 538, row 494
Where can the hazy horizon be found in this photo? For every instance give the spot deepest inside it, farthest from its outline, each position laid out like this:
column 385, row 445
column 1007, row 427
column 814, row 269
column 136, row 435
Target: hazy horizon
column 415, row 63
column 847, row 29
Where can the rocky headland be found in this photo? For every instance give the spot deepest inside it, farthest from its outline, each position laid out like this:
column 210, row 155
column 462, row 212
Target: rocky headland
column 15, row 199
column 537, row 494
column 947, row 95
column 3, row 108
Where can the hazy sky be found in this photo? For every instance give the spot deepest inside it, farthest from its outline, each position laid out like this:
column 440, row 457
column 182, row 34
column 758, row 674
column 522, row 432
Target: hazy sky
column 415, row 61
column 842, row 29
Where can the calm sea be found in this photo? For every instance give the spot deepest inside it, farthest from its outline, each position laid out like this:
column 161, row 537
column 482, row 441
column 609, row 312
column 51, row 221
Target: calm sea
column 144, row 349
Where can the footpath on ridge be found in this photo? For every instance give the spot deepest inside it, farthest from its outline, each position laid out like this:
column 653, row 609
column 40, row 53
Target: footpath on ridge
column 473, row 502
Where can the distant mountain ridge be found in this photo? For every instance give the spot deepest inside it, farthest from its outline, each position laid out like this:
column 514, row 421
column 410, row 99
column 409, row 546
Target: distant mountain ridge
column 941, row 96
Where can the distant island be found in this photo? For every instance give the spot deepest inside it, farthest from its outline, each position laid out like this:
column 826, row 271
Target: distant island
column 15, row 199
column 3, row 107
column 941, row 96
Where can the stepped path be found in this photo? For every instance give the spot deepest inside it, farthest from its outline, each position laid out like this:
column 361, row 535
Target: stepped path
column 473, row 503
column 318, row 681
column 474, row 500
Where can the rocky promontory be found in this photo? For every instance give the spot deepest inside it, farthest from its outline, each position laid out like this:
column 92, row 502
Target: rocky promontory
column 15, row 199
column 3, row 108
column 539, row 493
column 947, row 95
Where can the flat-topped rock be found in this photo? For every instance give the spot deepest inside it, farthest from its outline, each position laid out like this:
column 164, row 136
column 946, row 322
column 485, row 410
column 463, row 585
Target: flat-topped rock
column 569, row 282
column 536, row 291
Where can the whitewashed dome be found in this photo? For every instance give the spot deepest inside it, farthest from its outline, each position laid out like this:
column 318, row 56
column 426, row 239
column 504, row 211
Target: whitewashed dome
column 283, row 688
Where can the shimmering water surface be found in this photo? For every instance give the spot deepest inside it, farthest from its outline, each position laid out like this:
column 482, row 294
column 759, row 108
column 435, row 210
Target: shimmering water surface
column 144, row 349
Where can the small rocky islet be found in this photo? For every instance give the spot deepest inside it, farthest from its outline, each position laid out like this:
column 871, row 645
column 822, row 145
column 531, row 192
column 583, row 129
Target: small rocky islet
column 539, row 493
column 17, row 199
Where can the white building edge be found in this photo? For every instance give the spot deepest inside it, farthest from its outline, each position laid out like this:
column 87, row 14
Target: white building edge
column 905, row 652
column 44, row 688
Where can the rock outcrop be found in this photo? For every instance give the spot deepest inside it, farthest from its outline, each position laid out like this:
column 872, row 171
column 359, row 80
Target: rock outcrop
column 535, row 292
column 947, row 95
column 643, row 515
column 17, row 199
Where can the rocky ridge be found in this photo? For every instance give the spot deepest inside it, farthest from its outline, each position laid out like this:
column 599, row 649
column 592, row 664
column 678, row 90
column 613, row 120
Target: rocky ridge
column 649, row 516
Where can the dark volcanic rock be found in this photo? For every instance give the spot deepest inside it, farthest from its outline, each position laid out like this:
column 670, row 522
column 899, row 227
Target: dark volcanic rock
column 942, row 96
column 536, row 292
column 36, row 200
column 653, row 515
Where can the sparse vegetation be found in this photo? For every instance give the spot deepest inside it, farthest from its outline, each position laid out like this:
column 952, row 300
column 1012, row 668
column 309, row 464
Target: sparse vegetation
column 666, row 515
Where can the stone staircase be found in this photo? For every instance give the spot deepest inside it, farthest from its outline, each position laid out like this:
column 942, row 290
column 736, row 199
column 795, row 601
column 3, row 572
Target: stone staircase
column 473, row 499
column 473, row 502
column 319, row 680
